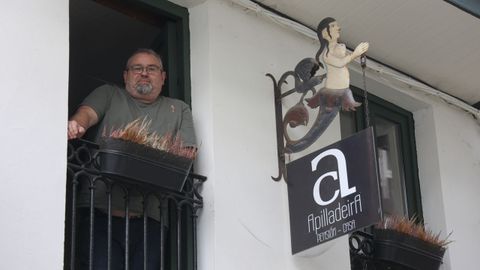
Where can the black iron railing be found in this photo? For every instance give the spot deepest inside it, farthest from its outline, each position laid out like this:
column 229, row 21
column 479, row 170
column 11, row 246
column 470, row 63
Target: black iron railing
column 367, row 253
column 176, row 213
column 361, row 250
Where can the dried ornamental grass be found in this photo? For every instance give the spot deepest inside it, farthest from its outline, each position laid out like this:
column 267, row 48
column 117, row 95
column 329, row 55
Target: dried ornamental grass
column 414, row 229
column 137, row 132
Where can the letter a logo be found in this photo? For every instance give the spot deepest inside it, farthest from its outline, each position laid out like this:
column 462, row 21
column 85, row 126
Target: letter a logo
column 341, row 175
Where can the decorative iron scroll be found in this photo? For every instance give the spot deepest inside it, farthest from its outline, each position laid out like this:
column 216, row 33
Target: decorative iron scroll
column 329, row 64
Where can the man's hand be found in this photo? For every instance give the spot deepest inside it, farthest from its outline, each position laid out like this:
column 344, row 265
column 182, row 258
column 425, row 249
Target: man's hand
column 75, row 130
column 83, row 119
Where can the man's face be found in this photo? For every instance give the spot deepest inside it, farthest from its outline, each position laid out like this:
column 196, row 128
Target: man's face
column 144, row 77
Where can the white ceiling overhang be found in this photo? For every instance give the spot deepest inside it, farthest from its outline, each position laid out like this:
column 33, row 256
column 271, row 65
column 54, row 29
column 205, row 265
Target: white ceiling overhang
column 432, row 41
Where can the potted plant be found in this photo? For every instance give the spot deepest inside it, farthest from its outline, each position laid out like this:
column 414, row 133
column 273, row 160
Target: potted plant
column 133, row 153
column 405, row 244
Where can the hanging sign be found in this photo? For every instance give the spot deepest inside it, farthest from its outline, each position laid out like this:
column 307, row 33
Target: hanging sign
column 333, row 191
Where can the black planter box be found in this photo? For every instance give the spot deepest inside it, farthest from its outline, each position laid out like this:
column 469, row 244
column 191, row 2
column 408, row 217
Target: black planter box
column 406, row 251
column 130, row 161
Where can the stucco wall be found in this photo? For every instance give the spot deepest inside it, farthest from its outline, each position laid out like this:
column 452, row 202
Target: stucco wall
column 244, row 224
column 33, row 113
column 448, row 145
column 459, row 163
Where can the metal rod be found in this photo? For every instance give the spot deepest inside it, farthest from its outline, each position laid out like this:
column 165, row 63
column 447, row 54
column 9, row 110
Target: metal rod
column 92, row 224
column 162, row 236
column 179, row 234
column 145, row 234
column 127, row 230
column 74, row 222
column 279, row 131
column 109, row 229
column 194, row 221
column 363, row 63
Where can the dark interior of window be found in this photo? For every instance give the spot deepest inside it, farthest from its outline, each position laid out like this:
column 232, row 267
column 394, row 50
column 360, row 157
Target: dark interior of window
column 101, row 39
column 103, row 34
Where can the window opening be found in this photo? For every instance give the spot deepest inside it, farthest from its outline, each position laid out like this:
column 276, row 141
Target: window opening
column 393, row 126
column 103, row 34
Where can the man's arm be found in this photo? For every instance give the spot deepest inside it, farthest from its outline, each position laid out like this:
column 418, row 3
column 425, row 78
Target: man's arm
column 83, row 119
column 186, row 130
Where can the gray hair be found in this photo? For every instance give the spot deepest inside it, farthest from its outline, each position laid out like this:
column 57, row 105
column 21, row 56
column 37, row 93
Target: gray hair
column 145, row 51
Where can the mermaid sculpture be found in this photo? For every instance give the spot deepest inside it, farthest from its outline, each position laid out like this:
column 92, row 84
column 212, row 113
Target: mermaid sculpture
column 329, row 99
column 336, row 58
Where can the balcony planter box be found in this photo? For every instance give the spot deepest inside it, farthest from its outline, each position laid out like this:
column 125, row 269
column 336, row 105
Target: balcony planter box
column 405, row 251
column 131, row 161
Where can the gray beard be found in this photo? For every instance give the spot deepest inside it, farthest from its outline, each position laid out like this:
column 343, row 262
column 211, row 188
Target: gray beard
column 144, row 89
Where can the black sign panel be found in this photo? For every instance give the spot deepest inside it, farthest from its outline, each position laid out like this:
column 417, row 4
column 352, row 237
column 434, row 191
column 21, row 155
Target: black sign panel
column 333, row 191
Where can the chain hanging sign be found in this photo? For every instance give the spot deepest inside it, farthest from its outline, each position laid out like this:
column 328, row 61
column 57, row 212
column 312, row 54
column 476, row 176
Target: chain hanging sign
column 333, row 191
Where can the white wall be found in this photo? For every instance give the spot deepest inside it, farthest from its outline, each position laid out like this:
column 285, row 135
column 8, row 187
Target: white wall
column 244, row 224
column 33, row 115
column 459, row 163
column 448, row 153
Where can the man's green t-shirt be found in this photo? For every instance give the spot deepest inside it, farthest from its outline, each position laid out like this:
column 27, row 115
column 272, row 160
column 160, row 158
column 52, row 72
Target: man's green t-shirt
column 115, row 108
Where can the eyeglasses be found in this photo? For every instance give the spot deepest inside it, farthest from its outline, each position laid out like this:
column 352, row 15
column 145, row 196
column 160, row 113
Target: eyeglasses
column 151, row 69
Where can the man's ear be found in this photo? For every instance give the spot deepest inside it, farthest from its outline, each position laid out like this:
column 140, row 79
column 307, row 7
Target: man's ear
column 164, row 76
column 125, row 73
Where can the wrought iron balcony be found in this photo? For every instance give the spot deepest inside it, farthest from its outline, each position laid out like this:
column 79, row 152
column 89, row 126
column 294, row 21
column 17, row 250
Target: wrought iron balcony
column 361, row 250
column 175, row 211
column 392, row 250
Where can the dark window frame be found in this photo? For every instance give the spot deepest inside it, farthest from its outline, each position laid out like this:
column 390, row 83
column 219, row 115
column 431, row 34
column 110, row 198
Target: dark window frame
column 387, row 110
column 177, row 36
column 175, row 41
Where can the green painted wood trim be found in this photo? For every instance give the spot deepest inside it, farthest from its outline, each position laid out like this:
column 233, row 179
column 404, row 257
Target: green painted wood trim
column 185, row 59
column 396, row 114
column 167, row 9
column 181, row 33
